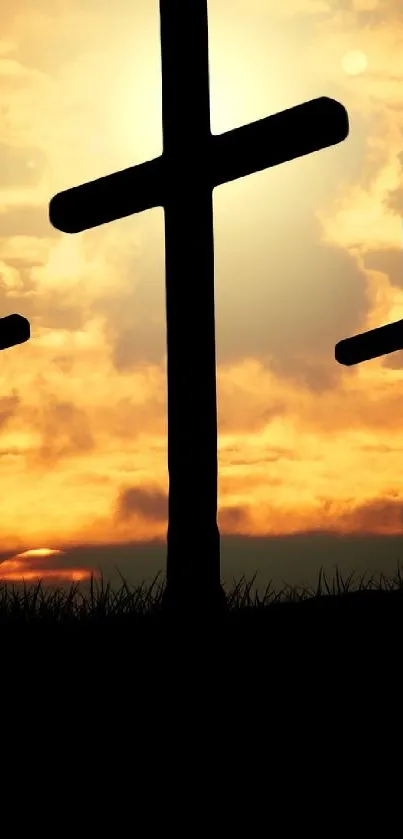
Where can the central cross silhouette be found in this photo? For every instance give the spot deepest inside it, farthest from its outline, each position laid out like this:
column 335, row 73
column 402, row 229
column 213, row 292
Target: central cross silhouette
column 181, row 180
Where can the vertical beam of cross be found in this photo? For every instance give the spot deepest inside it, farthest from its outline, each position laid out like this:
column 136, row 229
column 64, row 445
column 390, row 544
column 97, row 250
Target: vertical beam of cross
column 193, row 538
column 182, row 180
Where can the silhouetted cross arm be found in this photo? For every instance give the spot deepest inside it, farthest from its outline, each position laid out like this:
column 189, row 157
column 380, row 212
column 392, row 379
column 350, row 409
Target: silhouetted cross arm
column 268, row 142
column 277, row 139
column 372, row 344
column 14, row 329
column 115, row 196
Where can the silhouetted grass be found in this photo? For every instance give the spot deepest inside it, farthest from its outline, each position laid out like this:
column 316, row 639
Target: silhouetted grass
column 91, row 646
column 97, row 604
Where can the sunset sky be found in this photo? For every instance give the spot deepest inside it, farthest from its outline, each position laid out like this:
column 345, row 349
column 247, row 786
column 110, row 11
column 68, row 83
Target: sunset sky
column 306, row 254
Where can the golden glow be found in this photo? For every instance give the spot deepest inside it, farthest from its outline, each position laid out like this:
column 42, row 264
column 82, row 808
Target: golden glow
column 18, row 574
column 239, row 92
column 34, row 552
column 354, row 62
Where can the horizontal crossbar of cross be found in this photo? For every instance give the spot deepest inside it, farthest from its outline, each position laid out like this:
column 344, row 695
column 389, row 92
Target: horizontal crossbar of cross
column 304, row 129
column 372, row 344
column 14, row 329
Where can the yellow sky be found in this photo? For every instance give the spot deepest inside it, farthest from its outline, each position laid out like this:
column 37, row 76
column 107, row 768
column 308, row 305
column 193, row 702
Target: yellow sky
column 306, row 254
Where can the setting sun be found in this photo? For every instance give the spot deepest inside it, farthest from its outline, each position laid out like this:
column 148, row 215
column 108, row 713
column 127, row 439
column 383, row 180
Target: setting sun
column 39, row 552
column 29, row 566
column 354, row 62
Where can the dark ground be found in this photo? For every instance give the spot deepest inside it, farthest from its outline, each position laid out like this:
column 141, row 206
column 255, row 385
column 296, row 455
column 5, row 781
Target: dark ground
column 329, row 633
column 300, row 700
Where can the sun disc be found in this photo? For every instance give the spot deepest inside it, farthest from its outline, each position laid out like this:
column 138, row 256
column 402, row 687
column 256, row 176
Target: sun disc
column 354, row 62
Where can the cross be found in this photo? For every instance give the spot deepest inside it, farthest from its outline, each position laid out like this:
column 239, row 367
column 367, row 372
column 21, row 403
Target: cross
column 372, row 344
column 14, row 329
column 181, row 180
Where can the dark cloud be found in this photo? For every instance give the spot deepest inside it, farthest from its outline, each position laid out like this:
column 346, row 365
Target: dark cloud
column 89, row 479
column 314, row 374
column 229, row 517
column 135, row 313
column 239, row 412
column 20, row 166
column 151, row 504
column 394, row 198
column 302, row 296
column 389, row 261
column 26, row 221
column 64, row 363
column 55, row 311
column 127, row 419
column 375, row 515
column 271, row 455
column 140, row 342
column 64, row 429
column 14, row 452
column 393, row 13
column 296, row 559
column 287, row 559
column 282, row 295
column 379, row 449
column 394, row 361
column 8, row 407
column 394, row 201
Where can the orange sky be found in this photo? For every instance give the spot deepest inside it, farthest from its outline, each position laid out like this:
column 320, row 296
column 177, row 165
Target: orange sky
column 306, row 254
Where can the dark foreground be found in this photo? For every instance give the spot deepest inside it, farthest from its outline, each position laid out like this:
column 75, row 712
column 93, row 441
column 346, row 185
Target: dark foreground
column 291, row 687
column 338, row 624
